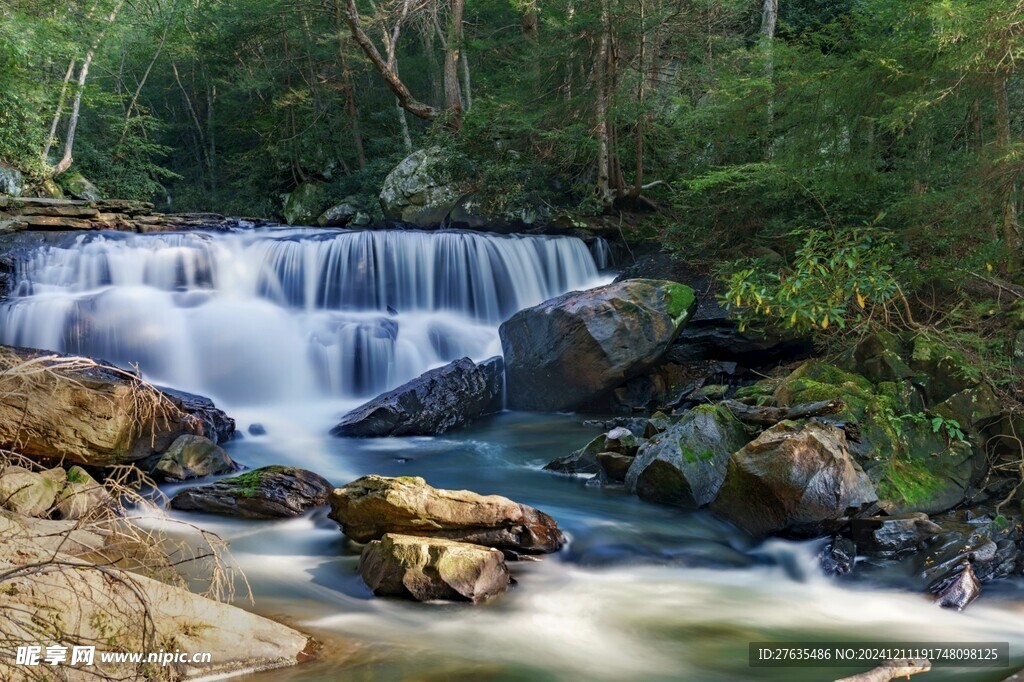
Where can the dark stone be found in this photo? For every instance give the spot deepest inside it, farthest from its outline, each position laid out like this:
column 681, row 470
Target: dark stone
column 891, row 535
column 619, row 440
column 257, row 430
column 793, row 479
column 839, row 556
column 218, row 427
column 614, row 465
column 494, row 370
column 437, row 401
column 686, row 465
column 266, row 493
column 957, row 590
column 575, row 348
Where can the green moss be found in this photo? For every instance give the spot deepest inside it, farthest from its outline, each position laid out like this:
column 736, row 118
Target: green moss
column 249, row 483
column 681, row 301
column 909, row 482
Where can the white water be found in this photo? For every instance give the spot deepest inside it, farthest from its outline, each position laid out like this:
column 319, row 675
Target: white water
column 287, row 315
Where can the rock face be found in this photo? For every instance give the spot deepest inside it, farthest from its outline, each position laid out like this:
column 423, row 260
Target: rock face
column 425, row 569
column 267, row 493
column 56, row 407
column 686, row 465
column 792, row 478
column 437, row 401
column 192, row 457
column 372, row 506
column 11, row 181
column 619, row 441
column 889, row 536
column 416, row 193
column 79, row 187
column 573, row 349
column 304, row 204
column 217, row 426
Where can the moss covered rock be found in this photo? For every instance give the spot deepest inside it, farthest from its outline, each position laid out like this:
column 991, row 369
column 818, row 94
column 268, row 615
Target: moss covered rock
column 266, row 493
column 685, row 466
column 304, row 204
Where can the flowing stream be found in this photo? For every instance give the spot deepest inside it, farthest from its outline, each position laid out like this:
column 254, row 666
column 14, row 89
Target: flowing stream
column 289, row 328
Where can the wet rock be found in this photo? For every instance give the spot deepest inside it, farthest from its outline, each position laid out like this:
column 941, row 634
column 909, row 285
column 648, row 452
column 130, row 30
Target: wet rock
column 192, row 457
column 372, row 506
column 83, row 497
column 216, row 425
column 89, row 412
column 437, row 401
column 425, row 569
column 266, row 493
column 957, row 590
column 79, row 187
column 686, row 465
column 619, row 440
column 614, row 465
column 257, row 430
column 12, row 183
column 839, row 556
column 576, row 348
column 797, row 479
column 888, row 536
column 494, row 371
column 338, row 215
column 417, row 192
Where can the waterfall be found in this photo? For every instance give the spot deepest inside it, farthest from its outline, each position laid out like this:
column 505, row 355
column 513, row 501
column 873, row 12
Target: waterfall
column 275, row 315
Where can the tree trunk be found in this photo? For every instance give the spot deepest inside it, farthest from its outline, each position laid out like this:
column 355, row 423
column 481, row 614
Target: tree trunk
column 347, row 90
column 453, row 46
column 83, row 74
column 603, row 190
column 769, row 19
column 57, row 114
column 641, row 127
column 145, row 77
column 1009, row 206
column 467, row 88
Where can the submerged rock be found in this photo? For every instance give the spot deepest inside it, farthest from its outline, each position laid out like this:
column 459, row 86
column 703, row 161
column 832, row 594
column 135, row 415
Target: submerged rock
column 957, row 590
column 372, row 506
column 686, row 465
column 88, row 412
column 839, row 556
column 425, row 569
column 267, row 493
column 437, row 401
column 575, row 348
column 798, row 479
column 892, row 535
column 192, row 457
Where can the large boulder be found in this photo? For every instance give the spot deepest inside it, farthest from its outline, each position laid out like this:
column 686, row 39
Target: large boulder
column 271, row 492
column 338, row 215
column 425, row 569
column 192, row 457
column 573, row 349
column 12, row 183
column 55, row 407
column 304, row 204
column 437, row 401
column 417, row 192
column 83, row 497
column 797, row 479
column 686, row 465
column 372, row 506
column 79, row 187
column 217, row 426
column 30, row 493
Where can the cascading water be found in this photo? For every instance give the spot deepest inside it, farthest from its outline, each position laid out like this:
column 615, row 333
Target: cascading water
column 279, row 315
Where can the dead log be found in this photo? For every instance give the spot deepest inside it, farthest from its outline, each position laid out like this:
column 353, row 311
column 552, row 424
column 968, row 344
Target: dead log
column 890, row 670
column 765, row 415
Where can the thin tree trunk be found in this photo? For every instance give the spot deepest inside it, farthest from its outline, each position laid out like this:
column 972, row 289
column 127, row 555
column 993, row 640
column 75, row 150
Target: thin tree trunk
column 52, row 137
column 467, row 88
column 346, row 86
column 145, row 76
column 200, row 137
column 603, row 188
column 83, row 74
column 1009, row 208
column 769, row 19
column 641, row 128
column 452, row 48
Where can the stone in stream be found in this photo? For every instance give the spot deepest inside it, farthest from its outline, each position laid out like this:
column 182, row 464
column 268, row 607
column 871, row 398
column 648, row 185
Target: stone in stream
column 797, row 479
column 618, row 441
column 425, row 569
column 83, row 497
column 958, row 590
column 686, row 465
column 437, row 401
column 839, row 556
column 372, row 506
column 59, row 407
column 574, row 349
column 267, row 493
column 192, row 457
column 888, row 536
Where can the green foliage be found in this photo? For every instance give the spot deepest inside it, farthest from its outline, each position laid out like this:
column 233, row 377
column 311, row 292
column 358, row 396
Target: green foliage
column 836, row 278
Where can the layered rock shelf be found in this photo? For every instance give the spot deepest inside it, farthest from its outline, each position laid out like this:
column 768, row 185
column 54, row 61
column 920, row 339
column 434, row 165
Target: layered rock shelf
column 123, row 215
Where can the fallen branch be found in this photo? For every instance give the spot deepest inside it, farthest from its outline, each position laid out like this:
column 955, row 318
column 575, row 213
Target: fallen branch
column 765, row 415
column 890, row 670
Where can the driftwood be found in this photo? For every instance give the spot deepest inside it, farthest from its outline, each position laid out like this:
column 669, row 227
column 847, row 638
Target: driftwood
column 768, row 416
column 890, row 670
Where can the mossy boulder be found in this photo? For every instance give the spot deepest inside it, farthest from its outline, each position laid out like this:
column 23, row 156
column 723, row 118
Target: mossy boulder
column 31, row 493
column 267, row 493
column 418, row 191
column 618, row 441
column 192, row 456
column 79, row 187
column 303, row 206
column 372, row 506
column 942, row 371
column 83, row 497
column 880, row 356
column 796, row 479
column 12, row 182
column 576, row 348
column 685, row 466
column 426, row 569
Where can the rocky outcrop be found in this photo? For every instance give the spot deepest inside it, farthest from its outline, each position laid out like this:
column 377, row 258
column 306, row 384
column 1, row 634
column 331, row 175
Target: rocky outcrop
column 686, row 465
column 372, row 506
column 437, row 401
column 304, row 204
column 55, row 407
column 338, row 215
column 890, row 536
column 271, row 492
column 619, row 441
column 417, row 192
column 64, row 599
column 801, row 480
column 217, row 426
column 192, row 457
column 573, row 349
column 12, row 182
column 426, row 569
